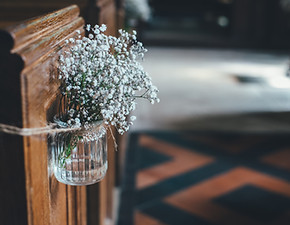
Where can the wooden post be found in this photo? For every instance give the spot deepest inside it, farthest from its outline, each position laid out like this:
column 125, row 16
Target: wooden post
column 28, row 92
column 30, row 194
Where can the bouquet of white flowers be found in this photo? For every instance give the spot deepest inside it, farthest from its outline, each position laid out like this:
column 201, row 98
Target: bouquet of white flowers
column 102, row 77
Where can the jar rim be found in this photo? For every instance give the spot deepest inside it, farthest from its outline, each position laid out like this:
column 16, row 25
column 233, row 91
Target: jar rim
column 62, row 124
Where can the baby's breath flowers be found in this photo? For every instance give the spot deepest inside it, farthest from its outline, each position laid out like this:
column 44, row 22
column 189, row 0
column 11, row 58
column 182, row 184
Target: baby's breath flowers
column 102, row 78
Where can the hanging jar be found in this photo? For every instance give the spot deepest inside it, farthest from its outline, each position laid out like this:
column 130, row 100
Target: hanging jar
column 80, row 156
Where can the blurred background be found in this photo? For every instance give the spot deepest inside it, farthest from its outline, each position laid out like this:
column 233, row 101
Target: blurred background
column 214, row 57
column 216, row 149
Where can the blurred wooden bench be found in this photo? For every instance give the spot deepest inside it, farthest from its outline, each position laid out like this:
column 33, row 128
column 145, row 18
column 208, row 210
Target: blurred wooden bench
column 28, row 94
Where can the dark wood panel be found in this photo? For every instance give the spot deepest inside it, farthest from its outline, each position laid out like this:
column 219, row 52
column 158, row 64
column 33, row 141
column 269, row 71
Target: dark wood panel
column 13, row 208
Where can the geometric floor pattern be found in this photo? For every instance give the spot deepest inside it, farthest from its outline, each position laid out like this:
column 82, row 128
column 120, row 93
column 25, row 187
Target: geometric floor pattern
column 206, row 178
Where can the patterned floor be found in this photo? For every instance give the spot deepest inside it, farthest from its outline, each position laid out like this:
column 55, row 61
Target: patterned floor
column 203, row 178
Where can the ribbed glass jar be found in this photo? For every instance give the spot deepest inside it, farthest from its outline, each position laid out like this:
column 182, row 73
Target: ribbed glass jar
column 80, row 157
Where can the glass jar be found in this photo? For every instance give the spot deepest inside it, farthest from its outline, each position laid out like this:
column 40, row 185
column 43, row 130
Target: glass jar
column 80, row 157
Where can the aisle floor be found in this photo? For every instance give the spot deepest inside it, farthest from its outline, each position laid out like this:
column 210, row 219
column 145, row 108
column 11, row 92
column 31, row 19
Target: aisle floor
column 206, row 178
column 215, row 150
column 216, row 89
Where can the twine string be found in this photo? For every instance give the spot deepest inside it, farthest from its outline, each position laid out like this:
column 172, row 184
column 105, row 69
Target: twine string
column 49, row 129
column 113, row 137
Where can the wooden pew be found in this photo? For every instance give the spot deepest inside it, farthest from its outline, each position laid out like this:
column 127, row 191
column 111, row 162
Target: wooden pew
column 29, row 193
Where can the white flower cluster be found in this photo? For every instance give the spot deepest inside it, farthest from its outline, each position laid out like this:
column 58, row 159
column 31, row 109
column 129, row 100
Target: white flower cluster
column 92, row 132
column 102, row 78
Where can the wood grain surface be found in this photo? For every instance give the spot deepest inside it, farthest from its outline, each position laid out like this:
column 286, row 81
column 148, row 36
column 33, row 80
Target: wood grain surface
column 33, row 89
